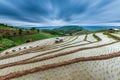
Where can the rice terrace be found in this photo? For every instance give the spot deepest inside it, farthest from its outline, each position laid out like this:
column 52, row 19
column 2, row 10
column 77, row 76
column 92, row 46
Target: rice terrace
column 58, row 49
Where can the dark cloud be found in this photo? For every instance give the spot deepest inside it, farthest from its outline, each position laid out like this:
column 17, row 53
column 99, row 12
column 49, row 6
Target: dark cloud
column 59, row 12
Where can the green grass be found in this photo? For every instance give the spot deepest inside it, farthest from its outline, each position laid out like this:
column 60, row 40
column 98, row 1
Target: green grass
column 18, row 40
column 22, row 39
column 10, row 28
column 5, row 27
column 5, row 44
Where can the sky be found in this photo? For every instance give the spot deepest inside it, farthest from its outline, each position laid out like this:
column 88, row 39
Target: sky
column 60, row 12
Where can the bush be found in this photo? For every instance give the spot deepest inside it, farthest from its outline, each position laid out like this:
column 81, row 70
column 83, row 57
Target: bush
column 1, row 48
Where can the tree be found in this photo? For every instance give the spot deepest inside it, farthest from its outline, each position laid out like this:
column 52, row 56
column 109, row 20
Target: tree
column 70, row 34
column 14, row 34
column 33, row 28
column 7, row 35
column 0, row 39
column 28, row 32
column 38, row 30
column 20, row 31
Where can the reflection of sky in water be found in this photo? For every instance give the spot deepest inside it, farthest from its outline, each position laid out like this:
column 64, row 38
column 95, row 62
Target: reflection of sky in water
column 60, row 12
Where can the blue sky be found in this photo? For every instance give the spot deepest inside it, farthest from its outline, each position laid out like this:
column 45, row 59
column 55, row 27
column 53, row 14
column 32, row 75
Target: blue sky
column 60, row 12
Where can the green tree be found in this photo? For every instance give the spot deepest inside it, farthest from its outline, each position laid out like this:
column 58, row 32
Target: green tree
column 33, row 28
column 28, row 32
column 70, row 34
column 38, row 30
column 20, row 31
column 0, row 39
column 14, row 34
column 7, row 35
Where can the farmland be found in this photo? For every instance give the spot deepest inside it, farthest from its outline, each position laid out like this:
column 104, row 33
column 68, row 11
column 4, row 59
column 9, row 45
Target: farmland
column 12, row 36
column 59, row 40
column 93, row 56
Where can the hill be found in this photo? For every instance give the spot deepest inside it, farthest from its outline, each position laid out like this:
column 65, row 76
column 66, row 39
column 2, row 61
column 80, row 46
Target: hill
column 11, row 36
column 69, row 29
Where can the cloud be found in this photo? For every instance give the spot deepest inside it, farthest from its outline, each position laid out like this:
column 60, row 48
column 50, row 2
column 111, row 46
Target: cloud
column 59, row 12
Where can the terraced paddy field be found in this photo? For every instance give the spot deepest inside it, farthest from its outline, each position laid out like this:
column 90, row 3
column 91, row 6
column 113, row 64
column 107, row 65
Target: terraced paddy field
column 82, row 57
